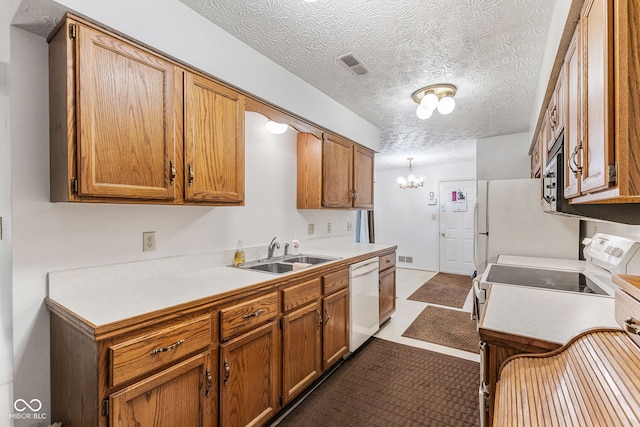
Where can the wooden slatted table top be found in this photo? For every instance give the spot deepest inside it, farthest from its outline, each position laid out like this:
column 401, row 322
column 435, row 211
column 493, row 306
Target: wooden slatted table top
column 594, row 380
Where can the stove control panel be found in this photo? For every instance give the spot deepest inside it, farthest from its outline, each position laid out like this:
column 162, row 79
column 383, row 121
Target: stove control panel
column 616, row 254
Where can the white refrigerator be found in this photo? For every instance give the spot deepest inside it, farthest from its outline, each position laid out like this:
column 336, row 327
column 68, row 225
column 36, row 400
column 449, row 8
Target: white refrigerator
column 509, row 220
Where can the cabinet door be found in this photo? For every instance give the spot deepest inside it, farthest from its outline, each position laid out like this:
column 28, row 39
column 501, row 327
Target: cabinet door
column 335, row 336
column 214, row 142
column 559, row 114
column 573, row 125
column 249, row 377
column 301, row 349
column 535, row 159
column 597, row 85
column 362, row 178
column 387, row 293
column 126, row 119
column 550, row 114
column 178, row 396
column 337, row 173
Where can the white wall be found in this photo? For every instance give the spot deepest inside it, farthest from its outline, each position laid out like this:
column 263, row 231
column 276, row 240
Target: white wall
column 403, row 217
column 49, row 237
column 503, row 157
column 6, row 313
column 631, row 231
column 556, row 28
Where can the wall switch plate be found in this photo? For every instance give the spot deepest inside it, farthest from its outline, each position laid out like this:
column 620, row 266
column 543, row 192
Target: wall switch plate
column 328, row 227
column 310, row 229
column 148, row 241
column 349, row 226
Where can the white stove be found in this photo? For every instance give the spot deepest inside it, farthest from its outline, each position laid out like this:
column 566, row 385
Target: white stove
column 605, row 255
column 552, row 299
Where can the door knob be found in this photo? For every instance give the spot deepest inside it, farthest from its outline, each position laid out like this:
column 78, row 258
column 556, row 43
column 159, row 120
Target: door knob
column 442, row 234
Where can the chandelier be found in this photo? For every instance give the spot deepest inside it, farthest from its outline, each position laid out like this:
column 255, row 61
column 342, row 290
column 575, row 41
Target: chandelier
column 410, row 181
column 435, row 97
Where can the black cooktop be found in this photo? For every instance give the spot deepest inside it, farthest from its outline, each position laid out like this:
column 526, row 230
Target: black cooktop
column 568, row 281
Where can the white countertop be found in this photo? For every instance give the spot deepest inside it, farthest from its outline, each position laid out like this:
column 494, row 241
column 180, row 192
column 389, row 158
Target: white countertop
column 551, row 263
column 544, row 314
column 108, row 294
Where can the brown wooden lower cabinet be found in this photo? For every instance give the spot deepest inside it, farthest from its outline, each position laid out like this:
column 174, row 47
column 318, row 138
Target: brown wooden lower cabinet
column 301, row 349
column 335, row 337
column 179, row 395
column 249, row 377
column 235, row 361
column 387, row 293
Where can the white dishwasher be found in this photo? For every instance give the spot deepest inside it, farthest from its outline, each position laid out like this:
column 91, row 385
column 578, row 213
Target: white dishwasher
column 363, row 302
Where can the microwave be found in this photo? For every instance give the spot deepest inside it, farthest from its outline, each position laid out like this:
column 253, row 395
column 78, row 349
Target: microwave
column 554, row 201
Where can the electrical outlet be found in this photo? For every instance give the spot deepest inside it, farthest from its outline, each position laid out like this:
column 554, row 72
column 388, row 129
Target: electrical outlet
column 595, row 229
column 310, row 229
column 148, row 241
column 328, row 227
column 349, row 226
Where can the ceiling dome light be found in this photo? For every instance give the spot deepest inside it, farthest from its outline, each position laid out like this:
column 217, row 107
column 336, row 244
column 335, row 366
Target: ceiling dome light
column 430, row 101
column 433, row 97
column 276, row 128
column 446, row 105
column 423, row 112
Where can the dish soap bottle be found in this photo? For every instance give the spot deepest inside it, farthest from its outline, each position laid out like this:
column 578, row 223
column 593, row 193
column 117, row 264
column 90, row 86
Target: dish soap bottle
column 295, row 245
column 238, row 257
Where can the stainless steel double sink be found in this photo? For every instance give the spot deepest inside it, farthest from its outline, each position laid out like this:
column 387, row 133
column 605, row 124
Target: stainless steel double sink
column 279, row 265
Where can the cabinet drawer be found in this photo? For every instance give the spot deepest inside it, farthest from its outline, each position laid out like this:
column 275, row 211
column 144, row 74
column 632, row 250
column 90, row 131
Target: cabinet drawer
column 244, row 316
column 138, row 356
column 628, row 314
column 300, row 294
column 335, row 281
column 387, row 261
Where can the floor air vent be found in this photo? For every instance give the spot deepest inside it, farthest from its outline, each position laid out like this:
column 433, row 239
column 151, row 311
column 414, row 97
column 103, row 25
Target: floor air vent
column 354, row 64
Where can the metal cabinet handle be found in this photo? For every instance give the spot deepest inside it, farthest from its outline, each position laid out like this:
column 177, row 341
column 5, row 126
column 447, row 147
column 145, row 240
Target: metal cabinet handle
column 553, row 121
column 326, row 314
column 631, row 326
column 319, row 319
column 227, row 372
column 168, row 348
column 192, row 175
column 256, row 314
column 172, row 167
column 355, row 195
column 209, row 382
column 573, row 163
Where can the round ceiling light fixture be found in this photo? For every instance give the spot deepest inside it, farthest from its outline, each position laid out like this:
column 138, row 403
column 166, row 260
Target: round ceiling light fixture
column 434, row 97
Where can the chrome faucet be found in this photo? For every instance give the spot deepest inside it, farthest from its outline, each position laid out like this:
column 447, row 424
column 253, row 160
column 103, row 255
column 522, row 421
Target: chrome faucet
column 272, row 247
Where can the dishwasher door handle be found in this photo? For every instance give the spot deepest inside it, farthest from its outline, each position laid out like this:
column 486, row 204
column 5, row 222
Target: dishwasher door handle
column 364, row 269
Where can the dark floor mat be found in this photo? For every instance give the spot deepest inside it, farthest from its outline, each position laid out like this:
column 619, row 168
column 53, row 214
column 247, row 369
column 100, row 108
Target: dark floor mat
column 444, row 289
column 443, row 326
column 390, row 384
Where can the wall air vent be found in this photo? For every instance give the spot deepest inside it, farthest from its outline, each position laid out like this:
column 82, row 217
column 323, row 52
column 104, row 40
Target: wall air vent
column 354, row 64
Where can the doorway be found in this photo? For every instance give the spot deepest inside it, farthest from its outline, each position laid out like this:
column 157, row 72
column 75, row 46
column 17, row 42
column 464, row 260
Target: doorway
column 457, row 201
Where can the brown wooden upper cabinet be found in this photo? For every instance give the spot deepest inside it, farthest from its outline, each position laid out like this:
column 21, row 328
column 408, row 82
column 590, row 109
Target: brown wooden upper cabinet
column 333, row 173
column 117, row 125
column 603, row 80
column 214, row 141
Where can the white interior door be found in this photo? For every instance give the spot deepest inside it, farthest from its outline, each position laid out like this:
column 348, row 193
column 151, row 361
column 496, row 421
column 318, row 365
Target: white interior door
column 457, row 199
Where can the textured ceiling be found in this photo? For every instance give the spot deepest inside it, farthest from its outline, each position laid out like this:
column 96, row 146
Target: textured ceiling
column 490, row 49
